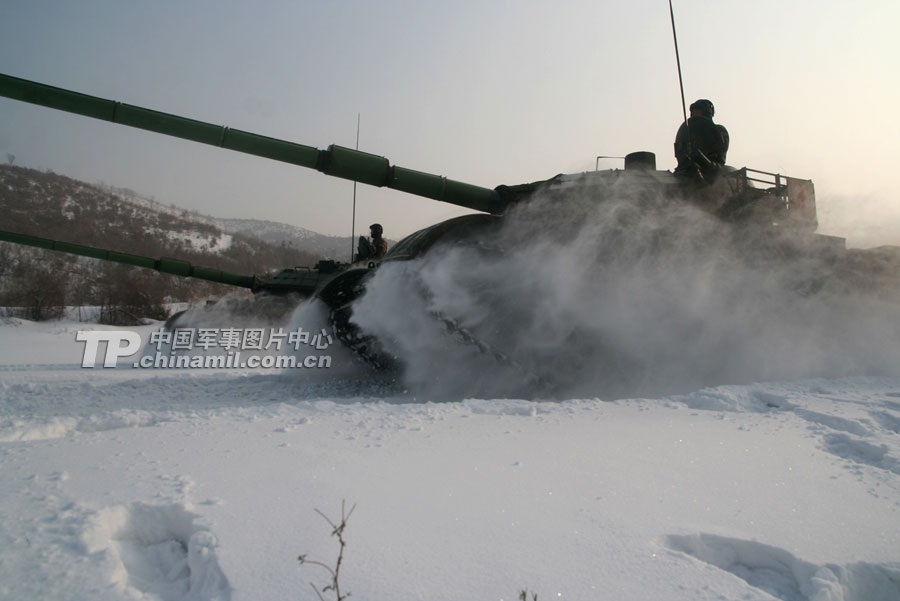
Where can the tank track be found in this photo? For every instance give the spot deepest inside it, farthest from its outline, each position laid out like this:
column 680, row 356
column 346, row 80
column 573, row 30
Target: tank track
column 362, row 345
column 369, row 350
column 466, row 337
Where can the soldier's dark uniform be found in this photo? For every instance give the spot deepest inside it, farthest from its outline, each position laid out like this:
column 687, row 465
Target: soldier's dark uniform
column 701, row 144
column 380, row 247
column 374, row 249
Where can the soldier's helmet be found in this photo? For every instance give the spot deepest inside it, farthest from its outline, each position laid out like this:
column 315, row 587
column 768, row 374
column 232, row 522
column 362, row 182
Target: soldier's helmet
column 376, row 229
column 704, row 106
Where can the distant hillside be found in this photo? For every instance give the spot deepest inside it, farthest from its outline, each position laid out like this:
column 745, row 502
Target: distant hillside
column 330, row 247
column 302, row 239
column 58, row 207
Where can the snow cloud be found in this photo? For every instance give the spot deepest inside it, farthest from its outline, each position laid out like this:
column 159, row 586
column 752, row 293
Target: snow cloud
column 631, row 296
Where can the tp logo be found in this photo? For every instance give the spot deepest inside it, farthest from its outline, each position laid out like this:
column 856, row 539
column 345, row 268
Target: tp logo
column 114, row 347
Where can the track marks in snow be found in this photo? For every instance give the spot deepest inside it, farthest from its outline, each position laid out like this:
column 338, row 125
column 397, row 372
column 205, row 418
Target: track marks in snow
column 782, row 575
column 858, row 430
column 846, row 438
column 158, row 550
column 13, row 430
column 887, row 420
column 735, row 398
column 860, row 451
column 834, row 422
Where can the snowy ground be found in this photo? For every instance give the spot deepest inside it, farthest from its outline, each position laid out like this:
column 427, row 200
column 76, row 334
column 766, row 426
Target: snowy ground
column 200, row 485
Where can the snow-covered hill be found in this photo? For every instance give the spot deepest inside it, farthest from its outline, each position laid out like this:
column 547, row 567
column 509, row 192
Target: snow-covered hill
column 330, row 247
column 55, row 206
column 60, row 208
column 272, row 232
column 203, row 484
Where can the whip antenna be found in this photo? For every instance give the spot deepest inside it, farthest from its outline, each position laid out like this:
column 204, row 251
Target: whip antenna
column 353, row 219
column 678, row 61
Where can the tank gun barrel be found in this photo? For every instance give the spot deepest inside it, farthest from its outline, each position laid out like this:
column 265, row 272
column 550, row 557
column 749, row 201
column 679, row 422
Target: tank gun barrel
column 164, row 265
column 336, row 161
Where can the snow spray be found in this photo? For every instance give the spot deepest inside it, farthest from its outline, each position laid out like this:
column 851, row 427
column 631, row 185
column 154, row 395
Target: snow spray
column 636, row 296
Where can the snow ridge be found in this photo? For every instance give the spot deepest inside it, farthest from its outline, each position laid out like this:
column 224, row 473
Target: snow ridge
column 782, row 575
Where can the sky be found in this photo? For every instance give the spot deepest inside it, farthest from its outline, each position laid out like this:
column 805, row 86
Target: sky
column 485, row 92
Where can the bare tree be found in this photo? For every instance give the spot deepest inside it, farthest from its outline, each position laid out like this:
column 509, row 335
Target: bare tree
column 335, row 572
column 40, row 289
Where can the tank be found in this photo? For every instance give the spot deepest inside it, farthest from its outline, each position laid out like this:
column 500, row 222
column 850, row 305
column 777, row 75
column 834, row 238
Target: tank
column 770, row 216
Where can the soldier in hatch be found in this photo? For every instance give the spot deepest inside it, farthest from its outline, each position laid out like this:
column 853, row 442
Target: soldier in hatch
column 373, row 249
column 700, row 144
column 379, row 244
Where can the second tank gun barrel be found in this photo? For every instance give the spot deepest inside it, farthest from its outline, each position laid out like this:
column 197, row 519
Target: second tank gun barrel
column 163, row 265
column 336, row 161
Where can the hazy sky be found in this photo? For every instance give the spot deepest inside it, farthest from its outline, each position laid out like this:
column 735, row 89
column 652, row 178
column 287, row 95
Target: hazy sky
column 480, row 91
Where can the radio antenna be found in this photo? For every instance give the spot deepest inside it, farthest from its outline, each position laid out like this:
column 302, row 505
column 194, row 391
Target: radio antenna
column 678, row 61
column 353, row 219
